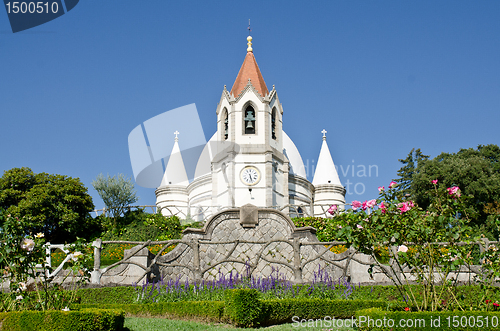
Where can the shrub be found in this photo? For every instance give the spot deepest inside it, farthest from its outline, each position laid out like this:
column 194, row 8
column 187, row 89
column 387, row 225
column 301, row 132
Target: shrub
column 106, row 295
column 243, row 307
column 137, row 225
column 51, row 320
column 326, row 228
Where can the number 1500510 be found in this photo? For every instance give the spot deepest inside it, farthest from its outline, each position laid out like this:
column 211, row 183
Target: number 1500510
column 32, row 7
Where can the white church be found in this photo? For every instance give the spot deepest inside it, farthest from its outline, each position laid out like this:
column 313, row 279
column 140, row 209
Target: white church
column 249, row 160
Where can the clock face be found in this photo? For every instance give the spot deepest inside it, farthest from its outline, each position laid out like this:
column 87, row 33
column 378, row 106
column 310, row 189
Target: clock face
column 250, row 175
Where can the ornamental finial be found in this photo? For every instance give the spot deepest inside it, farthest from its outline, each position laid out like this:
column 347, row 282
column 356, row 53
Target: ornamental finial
column 176, row 133
column 249, row 38
column 324, row 134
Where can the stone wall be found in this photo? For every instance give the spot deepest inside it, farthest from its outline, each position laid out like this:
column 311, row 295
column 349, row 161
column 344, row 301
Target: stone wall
column 250, row 241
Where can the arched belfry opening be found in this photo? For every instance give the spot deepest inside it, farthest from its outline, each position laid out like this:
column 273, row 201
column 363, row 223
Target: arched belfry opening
column 273, row 124
column 226, row 124
column 249, row 120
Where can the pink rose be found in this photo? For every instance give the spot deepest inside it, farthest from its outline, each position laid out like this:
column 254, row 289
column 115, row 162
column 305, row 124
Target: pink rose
column 383, row 207
column 356, row 204
column 403, row 207
column 381, row 188
column 393, row 184
column 435, row 181
column 369, row 204
column 454, row 191
column 332, row 209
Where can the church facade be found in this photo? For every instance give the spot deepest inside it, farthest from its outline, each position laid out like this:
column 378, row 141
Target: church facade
column 249, row 160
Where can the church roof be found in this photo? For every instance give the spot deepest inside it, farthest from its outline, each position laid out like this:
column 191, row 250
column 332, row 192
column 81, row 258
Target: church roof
column 249, row 70
column 293, row 156
column 325, row 173
column 175, row 173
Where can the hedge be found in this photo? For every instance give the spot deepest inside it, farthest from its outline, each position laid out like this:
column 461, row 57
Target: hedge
column 467, row 295
column 374, row 319
column 212, row 311
column 281, row 311
column 243, row 308
column 104, row 295
column 55, row 320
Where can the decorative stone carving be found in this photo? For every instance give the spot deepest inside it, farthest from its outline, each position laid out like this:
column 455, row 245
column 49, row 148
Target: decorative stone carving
column 249, row 216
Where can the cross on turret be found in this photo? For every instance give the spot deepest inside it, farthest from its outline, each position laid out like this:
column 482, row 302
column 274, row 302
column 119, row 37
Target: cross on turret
column 176, row 133
column 324, row 134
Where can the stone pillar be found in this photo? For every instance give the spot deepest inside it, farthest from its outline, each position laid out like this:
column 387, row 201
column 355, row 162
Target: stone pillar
column 95, row 275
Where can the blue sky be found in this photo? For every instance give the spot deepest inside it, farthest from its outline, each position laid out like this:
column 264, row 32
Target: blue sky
column 382, row 77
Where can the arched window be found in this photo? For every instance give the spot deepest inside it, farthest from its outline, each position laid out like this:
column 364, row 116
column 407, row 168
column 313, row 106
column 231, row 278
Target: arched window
column 273, row 124
column 226, row 125
column 249, row 120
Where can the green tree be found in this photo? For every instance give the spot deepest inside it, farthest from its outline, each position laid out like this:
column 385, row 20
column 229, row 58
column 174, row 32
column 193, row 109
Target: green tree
column 55, row 205
column 116, row 192
column 406, row 174
column 475, row 171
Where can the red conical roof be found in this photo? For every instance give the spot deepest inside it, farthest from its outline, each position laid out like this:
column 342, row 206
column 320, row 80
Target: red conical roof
column 249, row 70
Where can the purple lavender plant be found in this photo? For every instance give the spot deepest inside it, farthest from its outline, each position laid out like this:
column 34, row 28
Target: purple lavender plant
column 274, row 286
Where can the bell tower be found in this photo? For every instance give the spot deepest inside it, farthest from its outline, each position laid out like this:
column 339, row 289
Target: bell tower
column 249, row 160
column 250, row 117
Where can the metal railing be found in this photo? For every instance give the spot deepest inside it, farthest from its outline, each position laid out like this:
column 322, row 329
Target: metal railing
column 202, row 214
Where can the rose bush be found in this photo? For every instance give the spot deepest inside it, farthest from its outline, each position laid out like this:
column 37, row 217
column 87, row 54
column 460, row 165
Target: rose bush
column 406, row 242
column 23, row 262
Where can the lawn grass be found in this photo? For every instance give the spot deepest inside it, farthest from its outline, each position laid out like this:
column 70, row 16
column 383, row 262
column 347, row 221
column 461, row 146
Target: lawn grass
column 163, row 324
